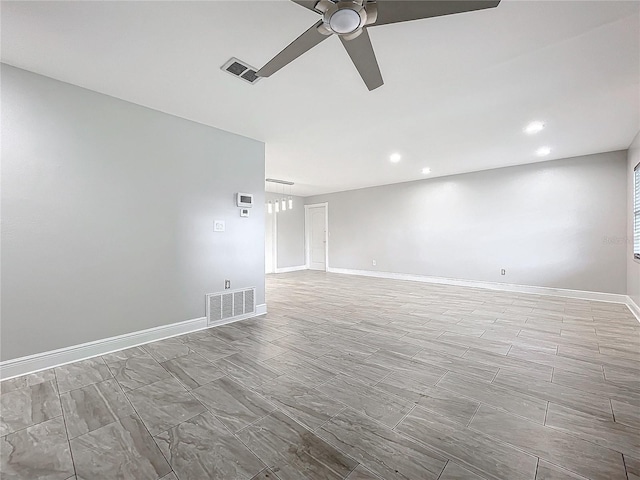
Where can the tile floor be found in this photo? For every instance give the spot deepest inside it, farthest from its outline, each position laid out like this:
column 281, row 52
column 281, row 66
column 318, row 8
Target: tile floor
column 347, row 377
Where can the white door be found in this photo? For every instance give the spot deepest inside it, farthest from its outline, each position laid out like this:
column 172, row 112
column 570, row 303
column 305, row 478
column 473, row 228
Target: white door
column 317, row 237
column 270, row 245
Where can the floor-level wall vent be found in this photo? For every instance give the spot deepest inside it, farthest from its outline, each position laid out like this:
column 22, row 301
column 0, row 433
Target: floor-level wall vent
column 223, row 307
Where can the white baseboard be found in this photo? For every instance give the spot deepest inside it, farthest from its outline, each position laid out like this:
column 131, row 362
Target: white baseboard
column 291, row 269
column 55, row 358
column 633, row 306
column 505, row 287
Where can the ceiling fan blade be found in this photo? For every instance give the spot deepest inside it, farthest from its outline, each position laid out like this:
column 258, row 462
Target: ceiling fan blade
column 394, row 11
column 310, row 4
column 300, row 45
column 361, row 52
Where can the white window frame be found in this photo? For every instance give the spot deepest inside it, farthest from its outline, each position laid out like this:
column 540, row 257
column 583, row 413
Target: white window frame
column 636, row 212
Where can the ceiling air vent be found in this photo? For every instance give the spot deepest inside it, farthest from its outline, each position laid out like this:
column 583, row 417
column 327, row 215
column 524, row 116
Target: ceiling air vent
column 239, row 69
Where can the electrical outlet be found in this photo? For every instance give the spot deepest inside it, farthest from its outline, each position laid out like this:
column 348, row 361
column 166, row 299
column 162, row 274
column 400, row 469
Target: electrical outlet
column 374, row 263
column 503, row 272
column 227, row 284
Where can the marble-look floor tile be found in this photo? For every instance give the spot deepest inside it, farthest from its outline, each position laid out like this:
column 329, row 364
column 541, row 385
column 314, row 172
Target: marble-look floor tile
column 293, row 451
column 611, row 350
column 433, row 345
column 137, row 372
column 81, row 374
column 556, row 361
column 202, row 448
column 448, row 404
column 352, row 364
column 259, row 350
column 167, row 349
column 123, row 354
column 536, row 341
column 408, row 387
column 25, row 381
column 299, row 368
column 122, row 450
column 586, row 383
column 347, row 345
column 392, row 345
column 500, row 397
column 197, row 335
column 582, row 356
column 424, row 373
column 633, row 468
column 211, row 348
column 512, row 364
column 548, row 471
column 474, row 451
column 28, row 406
column 553, row 392
column 164, row 404
column 459, row 365
column 619, row 346
column 628, row 377
column 266, row 474
column 235, row 405
column 89, row 408
column 625, row 413
column 383, row 407
column 171, row 476
column 306, row 405
column 40, row 452
column 192, row 370
column 550, row 444
column 453, row 471
column 362, row 473
column 246, row 371
column 388, row 454
column 609, row 434
column 479, row 343
column 228, row 333
column 303, row 346
column 589, row 355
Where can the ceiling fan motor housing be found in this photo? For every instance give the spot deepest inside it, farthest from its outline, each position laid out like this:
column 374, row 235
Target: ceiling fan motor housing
column 346, row 18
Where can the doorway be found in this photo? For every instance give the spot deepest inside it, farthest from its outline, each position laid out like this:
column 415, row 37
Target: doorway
column 316, row 233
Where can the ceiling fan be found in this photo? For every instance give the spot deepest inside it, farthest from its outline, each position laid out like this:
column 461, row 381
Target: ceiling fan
column 350, row 19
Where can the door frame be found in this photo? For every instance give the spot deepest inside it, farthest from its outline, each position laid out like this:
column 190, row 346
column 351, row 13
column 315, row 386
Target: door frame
column 307, row 255
column 274, row 242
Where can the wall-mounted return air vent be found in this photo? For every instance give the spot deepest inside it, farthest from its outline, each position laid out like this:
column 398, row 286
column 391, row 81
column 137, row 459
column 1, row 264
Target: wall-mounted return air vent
column 230, row 305
column 239, row 69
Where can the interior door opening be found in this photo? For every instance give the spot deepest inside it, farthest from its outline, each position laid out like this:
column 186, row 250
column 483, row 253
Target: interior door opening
column 317, row 236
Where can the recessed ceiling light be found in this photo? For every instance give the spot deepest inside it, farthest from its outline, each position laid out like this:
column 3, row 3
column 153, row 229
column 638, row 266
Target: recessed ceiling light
column 543, row 151
column 534, row 127
column 395, row 157
column 426, row 171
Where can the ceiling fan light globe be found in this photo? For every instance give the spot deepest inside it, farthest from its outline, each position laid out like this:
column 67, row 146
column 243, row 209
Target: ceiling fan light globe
column 344, row 21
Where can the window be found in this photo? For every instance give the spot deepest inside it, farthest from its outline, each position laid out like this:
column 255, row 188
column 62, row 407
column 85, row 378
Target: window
column 636, row 213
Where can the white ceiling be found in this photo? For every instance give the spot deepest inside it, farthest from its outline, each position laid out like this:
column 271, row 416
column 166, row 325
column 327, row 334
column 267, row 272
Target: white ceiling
column 458, row 90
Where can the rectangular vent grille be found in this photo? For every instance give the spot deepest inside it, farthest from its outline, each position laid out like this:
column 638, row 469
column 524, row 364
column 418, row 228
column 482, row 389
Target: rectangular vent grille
column 229, row 305
column 242, row 70
column 238, row 303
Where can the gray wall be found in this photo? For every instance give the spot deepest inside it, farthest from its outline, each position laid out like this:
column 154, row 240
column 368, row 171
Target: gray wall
column 633, row 266
column 553, row 224
column 290, row 232
column 107, row 212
